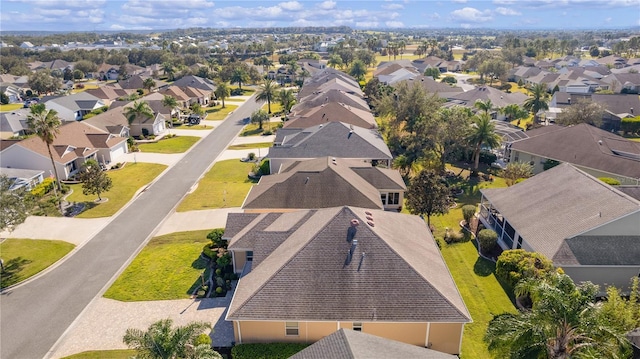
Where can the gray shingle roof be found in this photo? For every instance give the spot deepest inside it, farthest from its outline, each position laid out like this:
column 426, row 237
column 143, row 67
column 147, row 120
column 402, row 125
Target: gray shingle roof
column 349, row 344
column 560, row 203
column 397, row 273
column 584, row 145
column 334, row 139
column 323, row 183
column 602, row 250
column 332, row 112
column 314, row 100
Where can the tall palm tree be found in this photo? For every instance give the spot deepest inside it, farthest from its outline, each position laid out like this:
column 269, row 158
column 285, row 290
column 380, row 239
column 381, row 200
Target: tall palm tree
column 222, row 92
column 537, row 101
column 171, row 102
column 287, row 99
column 561, row 324
column 239, row 76
column 485, row 106
column 148, row 84
column 482, row 133
column 267, row 92
column 162, row 341
column 46, row 125
column 137, row 110
column 514, row 112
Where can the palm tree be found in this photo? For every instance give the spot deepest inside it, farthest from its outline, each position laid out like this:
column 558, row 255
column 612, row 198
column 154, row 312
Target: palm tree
column 482, row 133
column 239, row 76
column 267, row 92
column 514, row 112
column 562, row 323
column 293, row 68
column 537, row 101
column 287, row 99
column 46, row 125
column 222, row 92
column 358, row 70
column 148, row 84
column 138, row 109
column 485, row 106
column 171, row 102
column 161, row 341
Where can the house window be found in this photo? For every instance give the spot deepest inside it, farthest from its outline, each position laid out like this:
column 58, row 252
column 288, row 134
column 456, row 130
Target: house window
column 393, row 198
column 357, row 326
column 71, row 167
column 519, row 245
column 291, row 328
column 249, row 255
column 383, row 198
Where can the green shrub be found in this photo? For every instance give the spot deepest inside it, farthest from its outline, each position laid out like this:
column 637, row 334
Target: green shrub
column 610, row 181
column 202, row 339
column 218, row 272
column 252, row 156
column 517, row 264
column 630, row 125
column 215, row 236
column 267, row 133
column 224, row 260
column 43, row 188
column 219, row 290
column 264, row 167
column 207, row 251
column 449, row 80
column 488, row 239
column 266, row 350
column 467, row 212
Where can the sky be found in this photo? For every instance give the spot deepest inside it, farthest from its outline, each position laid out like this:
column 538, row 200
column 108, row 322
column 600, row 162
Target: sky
column 101, row 15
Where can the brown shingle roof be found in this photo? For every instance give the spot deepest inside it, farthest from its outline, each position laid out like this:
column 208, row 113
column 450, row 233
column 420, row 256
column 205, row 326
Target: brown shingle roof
column 584, row 145
column 332, row 112
column 316, row 183
column 397, row 273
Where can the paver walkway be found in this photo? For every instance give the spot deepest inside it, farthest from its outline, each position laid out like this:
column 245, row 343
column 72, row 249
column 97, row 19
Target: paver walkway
column 98, row 319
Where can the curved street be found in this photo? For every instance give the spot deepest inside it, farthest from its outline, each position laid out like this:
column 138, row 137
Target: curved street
column 35, row 315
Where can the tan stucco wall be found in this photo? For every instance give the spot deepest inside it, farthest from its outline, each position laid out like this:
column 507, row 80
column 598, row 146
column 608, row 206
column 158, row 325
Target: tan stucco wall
column 446, row 337
column 625, row 226
column 239, row 258
column 410, row 333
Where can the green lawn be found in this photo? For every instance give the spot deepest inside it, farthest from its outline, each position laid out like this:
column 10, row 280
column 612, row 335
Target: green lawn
column 180, row 126
column 253, row 129
column 251, row 145
column 177, row 144
column 10, row 107
column 225, row 185
column 104, row 354
column 231, row 99
column 169, row 267
column 24, row 258
column 126, row 181
column 481, row 291
column 245, row 91
column 275, row 108
column 218, row 113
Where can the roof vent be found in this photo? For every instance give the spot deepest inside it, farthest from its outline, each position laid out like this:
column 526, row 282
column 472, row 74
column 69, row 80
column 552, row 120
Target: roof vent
column 354, row 222
column 368, row 213
column 370, row 223
column 306, row 180
column 600, row 142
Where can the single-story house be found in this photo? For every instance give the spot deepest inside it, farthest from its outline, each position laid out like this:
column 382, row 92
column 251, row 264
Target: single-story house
column 327, row 182
column 74, row 107
column 13, row 124
column 595, row 151
column 22, row 178
column 318, row 99
column 307, row 274
column 585, row 226
column 332, row 112
column 334, row 139
column 76, row 143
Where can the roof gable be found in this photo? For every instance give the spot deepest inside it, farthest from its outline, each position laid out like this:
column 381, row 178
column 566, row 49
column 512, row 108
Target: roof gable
column 397, row 254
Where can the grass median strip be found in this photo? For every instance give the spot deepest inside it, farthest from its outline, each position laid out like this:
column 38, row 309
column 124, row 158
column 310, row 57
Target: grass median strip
column 177, row 144
column 225, row 185
column 24, row 258
column 104, row 354
column 167, row 268
column 126, row 181
column 245, row 146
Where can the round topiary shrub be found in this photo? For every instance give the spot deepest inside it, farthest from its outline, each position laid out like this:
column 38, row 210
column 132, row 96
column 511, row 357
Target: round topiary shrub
column 487, row 238
column 202, row 339
column 219, row 290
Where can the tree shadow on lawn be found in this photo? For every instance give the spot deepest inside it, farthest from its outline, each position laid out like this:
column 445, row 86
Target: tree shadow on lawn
column 12, row 269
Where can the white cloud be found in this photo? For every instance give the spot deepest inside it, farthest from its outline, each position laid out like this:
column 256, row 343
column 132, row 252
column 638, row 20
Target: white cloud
column 394, row 24
column 459, row 1
column 367, row 24
column 507, row 12
column 327, row 5
column 291, row 6
column 470, row 14
column 393, row 6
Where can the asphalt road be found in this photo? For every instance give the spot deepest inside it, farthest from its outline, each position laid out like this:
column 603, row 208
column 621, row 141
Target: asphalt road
column 35, row 315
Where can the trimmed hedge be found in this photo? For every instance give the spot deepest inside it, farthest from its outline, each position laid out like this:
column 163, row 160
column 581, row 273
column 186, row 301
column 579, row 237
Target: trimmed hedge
column 266, row 351
column 610, row 181
column 630, row 125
